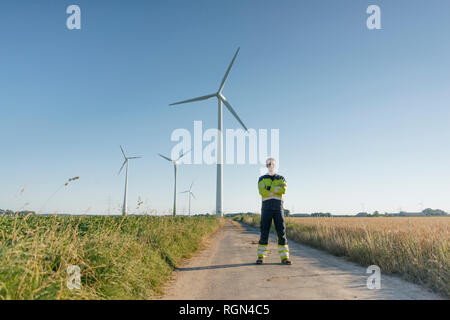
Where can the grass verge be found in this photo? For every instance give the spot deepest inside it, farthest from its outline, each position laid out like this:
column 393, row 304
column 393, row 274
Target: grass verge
column 119, row 257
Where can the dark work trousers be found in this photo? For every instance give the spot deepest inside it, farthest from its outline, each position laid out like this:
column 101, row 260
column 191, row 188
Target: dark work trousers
column 272, row 210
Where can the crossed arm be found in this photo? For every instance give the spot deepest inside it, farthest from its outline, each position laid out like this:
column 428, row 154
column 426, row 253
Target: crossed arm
column 272, row 190
column 280, row 189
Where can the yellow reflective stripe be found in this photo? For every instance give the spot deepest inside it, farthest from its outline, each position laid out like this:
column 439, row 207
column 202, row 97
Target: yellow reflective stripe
column 273, row 197
column 283, row 250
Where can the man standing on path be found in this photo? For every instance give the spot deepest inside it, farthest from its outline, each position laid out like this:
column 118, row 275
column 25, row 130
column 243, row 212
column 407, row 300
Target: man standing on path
column 271, row 188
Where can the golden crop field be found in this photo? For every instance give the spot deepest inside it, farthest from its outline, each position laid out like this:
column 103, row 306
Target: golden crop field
column 417, row 248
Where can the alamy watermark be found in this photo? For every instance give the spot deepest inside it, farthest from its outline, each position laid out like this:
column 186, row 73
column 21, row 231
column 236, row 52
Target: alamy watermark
column 74, row 279
column 374, row 280
column 373, row 22
column 73, row 22
column 239, row 146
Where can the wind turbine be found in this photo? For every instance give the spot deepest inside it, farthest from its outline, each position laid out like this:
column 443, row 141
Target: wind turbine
column 190, row 194
column 221, row 99
column 175, row 164
column 125, row 197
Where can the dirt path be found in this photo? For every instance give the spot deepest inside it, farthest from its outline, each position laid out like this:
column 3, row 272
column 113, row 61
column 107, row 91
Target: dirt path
column 226, row 270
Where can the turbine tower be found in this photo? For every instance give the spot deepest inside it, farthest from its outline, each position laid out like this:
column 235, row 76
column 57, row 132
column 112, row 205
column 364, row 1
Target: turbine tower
column 125, row 197
column 221, row 99
column 190, row 194
column 175, row 165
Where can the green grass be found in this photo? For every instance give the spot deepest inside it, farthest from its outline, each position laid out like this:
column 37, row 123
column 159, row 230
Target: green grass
column 417, row 249
column 119, row 258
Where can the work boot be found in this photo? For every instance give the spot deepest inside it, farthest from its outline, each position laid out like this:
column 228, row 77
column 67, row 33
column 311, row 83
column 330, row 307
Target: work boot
column 259, row 261
column 286, row 261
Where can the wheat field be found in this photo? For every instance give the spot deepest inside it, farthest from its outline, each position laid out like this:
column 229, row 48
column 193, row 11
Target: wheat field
column 416, row 248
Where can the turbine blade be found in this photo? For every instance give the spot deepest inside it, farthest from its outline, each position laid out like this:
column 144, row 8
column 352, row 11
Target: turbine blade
column 122, row 167
column 134, row 157
column 184, row 191
column 183, row 154
column 228, row 71
column 168, row 159
column 193, row 196
column 194, row 99
column 190, row 188
column 230, row 108
column 123, row 152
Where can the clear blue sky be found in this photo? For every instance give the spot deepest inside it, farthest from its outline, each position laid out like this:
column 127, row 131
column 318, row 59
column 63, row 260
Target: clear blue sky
column 363, row 115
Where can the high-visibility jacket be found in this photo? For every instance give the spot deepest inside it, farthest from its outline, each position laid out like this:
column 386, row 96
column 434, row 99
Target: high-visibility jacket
column 275, row 184
column 271, row 189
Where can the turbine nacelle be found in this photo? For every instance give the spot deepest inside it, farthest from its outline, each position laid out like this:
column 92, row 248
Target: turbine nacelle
column 125, row 199
column 190, row 194
column 126, row 159
column 175, row 164
column 220, row 97
column 221, row 101
column 176, row 161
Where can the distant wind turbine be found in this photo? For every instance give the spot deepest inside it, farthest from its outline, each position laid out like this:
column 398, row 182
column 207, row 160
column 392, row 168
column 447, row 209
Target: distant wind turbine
column 221, row 99
column 175, row 165
column 125, row 197
column 190, row 194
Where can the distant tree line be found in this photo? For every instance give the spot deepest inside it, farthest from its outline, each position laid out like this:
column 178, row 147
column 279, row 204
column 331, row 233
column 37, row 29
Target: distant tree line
column 424, row 213
column 434, row 212
column 321, row 214
column 11, row 212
